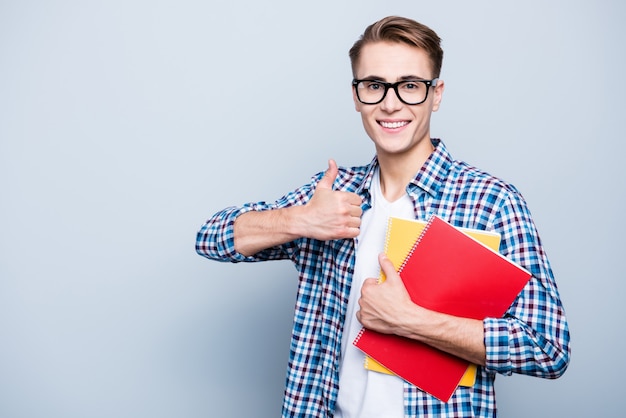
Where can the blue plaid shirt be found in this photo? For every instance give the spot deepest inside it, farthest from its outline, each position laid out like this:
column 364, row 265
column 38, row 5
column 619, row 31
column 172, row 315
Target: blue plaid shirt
column 532, row 338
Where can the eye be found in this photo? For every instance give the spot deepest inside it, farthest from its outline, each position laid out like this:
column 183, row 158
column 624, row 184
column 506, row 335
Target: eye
column 411, row 86
column 373, row 85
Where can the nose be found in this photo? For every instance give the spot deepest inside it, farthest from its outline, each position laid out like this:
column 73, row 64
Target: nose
column 391, row 102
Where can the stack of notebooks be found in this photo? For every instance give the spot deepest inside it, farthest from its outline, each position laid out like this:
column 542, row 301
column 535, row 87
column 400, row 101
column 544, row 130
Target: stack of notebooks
column 451, row 270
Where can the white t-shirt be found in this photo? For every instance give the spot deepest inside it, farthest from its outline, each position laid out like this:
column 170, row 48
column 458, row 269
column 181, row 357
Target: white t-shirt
column 364, row 393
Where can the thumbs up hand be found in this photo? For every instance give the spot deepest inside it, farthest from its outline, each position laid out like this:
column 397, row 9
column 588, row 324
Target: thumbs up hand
column 332, row 214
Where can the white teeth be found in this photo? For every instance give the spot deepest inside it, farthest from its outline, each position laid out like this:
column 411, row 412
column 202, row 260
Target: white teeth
column 393, row 125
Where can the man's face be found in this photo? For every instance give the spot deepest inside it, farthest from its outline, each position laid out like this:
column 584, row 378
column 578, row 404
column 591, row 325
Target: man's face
column 397, row 128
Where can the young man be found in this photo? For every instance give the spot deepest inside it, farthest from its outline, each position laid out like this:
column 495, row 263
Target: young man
column 333, row 230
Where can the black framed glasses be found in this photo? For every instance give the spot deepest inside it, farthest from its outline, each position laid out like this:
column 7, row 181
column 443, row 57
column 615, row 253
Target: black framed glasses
column 410, row 92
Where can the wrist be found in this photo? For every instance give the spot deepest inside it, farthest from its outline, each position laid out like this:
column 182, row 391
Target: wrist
column 295, row 220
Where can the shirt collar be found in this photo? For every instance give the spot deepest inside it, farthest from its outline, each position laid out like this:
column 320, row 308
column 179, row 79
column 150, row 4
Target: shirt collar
column 364, row 188
column 429, row 178
column 432, row 174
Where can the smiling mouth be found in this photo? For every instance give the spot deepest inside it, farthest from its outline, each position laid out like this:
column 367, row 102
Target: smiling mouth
column 393, row 125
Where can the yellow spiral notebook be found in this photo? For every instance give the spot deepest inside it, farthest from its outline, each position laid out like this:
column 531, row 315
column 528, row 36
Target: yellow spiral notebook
column 401, row 235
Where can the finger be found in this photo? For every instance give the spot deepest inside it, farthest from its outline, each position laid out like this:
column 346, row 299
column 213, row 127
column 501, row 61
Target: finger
column 369, row 282
column 329, row 178
column 356, row 211
column 354, row 222
column 354, row 199
column 350, row 232
column 387, row 266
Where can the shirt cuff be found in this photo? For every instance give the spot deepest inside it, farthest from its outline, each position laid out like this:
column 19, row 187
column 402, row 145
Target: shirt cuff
column 498, row 358
column 226, row 245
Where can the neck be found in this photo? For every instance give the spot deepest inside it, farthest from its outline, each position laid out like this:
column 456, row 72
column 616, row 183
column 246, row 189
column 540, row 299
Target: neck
column 397, row 170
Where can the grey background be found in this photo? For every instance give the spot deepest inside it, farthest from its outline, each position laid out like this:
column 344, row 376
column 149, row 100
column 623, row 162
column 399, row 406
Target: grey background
column 125, row 124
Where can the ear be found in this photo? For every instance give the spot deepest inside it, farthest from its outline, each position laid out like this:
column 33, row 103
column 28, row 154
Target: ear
column 438, row 95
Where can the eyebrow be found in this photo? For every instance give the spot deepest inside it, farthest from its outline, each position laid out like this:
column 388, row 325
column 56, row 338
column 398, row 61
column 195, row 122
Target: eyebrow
column 402, row 78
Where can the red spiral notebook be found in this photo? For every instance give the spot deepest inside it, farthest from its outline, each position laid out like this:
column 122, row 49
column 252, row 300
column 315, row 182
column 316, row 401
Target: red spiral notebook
column 450, row 272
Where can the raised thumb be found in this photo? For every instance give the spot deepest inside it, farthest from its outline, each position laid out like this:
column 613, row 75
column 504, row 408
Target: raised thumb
column 329, row 177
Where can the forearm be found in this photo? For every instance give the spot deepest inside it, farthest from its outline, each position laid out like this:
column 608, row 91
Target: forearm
column 461, row 337
column 256, row 231
column 216, row 238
